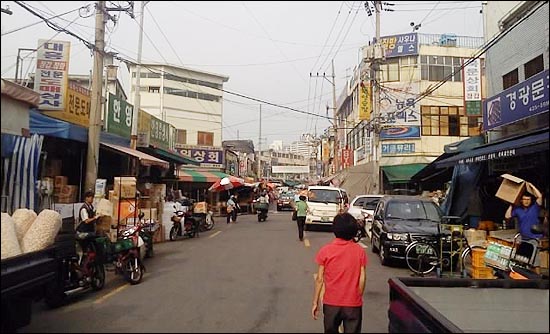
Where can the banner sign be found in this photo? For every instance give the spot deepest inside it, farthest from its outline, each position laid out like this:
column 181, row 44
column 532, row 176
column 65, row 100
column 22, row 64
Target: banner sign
column 119, row 116
column 404, row 148
column 365, row 100
column 400, row 45
column 52, row 67
column 347, row 158
column 400, row 108
column 520, row 101
column 472, row 87
column 77, row 108
column 207, row 156
column 400, row 132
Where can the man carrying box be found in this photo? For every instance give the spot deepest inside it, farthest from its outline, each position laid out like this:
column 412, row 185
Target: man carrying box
column 527, row 214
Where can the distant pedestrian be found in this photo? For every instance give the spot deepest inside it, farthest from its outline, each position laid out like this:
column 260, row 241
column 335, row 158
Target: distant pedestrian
column 232, row 207
column 342, row 270
column 301, row 213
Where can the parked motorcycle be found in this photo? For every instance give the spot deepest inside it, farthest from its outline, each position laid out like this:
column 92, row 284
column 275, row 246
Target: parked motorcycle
column 147, row 232
column 183, row 224
column 78, row 272
column 206, row 220
column 126, row 254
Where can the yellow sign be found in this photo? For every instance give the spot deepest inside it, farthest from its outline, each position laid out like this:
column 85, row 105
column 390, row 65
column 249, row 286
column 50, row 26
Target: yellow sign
column 325, row 151
column 77, row 106
column 365, row 101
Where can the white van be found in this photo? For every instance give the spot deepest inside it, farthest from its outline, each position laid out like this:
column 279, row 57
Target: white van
column 324, row 203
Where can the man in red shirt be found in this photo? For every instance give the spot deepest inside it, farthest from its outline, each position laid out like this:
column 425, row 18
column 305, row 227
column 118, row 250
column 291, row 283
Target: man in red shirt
column 342, row 271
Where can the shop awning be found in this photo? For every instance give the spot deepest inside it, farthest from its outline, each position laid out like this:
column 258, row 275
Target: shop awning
column 500, row 150
column 144, row 158
column 401, row 173
column 192, row 175
column 169, row 156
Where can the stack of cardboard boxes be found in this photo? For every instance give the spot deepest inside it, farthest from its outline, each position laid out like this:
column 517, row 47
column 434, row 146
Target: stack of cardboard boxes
column 63, row 191
column 151, row 203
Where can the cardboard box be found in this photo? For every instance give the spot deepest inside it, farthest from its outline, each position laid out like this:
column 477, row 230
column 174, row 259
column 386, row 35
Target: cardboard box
column 69, row 190
column 475, row 236
column 53, row 168
column 59, row 182
column 125, row 187
column 543, row 256
column 123, row 209
column 65, row 199
column 511, row 189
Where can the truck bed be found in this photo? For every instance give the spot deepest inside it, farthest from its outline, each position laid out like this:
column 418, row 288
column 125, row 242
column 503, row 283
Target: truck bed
column 468, row 305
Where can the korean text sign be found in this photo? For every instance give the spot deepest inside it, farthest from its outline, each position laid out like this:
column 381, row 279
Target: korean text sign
column 52, row 66
column 400, row 45
column 525, row 99
column 203, row 155
column 119, row 119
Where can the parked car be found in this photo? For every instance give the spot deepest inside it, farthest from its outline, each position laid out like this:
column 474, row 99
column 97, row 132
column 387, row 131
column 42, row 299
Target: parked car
column 400, row 219
column 324, row 203
column 362, row 208
column 285, row 201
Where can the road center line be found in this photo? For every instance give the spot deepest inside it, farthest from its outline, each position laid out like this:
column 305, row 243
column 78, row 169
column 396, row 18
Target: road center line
column 306, row 243
column 215, row 234
column 102, row 298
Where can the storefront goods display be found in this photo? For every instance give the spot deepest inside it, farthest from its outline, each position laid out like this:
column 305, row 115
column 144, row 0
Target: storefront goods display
column 10, row 245
column 42, row 232
column 23, row 219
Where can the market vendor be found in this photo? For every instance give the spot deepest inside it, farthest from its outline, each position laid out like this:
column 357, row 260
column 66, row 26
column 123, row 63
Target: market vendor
column 527, row 214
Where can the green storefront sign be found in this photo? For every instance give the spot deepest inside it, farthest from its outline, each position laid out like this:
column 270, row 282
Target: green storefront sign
column 160, row 133
column 119, row 116
column 473, row 108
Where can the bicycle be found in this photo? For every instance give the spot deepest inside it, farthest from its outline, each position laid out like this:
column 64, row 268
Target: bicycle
column 440, row 251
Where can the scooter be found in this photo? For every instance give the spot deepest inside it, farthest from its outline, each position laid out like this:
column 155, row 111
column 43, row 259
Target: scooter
column 261, row 209
column 183, row 224
column 78, row 272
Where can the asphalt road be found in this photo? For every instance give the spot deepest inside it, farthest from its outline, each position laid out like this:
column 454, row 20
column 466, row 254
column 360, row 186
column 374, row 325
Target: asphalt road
column 247, row 277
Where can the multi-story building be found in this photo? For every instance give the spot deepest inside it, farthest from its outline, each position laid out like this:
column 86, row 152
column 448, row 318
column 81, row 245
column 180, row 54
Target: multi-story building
column 188, row 99
column 379, row 150
column 515, row 113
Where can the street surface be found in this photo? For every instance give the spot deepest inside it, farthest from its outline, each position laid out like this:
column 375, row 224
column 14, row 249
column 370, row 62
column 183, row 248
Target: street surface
column 247, row 277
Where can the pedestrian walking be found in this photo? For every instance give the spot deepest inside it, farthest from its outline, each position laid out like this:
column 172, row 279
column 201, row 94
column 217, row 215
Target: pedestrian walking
column 301, row 213
column 342, row 271
column 232, row 209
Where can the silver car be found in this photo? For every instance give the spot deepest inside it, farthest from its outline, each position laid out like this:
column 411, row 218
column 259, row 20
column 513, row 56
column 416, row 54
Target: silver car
column 362, row 208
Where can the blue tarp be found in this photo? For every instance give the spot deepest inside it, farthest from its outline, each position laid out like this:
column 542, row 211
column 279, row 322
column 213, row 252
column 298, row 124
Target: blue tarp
column 49, row 126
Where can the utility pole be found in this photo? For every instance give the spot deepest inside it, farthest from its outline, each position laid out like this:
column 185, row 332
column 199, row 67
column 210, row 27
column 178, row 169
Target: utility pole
column 137, row 96
column 335, row 110
column 260, row 147
column 377, row 188
column 19, row 69
column 92, row 159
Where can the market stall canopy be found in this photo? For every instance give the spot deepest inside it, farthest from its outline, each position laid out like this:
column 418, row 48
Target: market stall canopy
column 502, row 149
column 226, row 183
column 144, row 159
column 169, row 156
column 195, row 175
column 53, row 127
column 401, row 173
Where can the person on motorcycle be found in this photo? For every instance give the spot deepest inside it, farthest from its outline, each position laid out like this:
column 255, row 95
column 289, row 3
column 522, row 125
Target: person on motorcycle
column 263, row 200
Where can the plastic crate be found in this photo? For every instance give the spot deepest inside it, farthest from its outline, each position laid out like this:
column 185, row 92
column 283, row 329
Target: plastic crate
column 482, row 273
column 121, row 245
column 478, row 257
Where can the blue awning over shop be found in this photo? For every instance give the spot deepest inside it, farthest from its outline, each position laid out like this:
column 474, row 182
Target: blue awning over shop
column 500, row 150
column 49, row 126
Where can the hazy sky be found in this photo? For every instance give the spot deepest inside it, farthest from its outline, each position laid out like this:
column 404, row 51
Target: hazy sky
column 267, row 49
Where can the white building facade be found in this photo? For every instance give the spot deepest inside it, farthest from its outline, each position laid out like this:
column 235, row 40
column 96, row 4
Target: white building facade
column 189, row 99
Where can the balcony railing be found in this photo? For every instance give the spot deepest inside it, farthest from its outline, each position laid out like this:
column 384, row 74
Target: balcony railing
column 451, row 40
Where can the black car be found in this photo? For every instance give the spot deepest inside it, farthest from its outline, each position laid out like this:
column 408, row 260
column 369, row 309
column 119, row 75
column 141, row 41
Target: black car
column 400, row 219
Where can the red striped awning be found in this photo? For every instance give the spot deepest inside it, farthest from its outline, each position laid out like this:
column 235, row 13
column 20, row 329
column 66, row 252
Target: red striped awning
column 190, row 175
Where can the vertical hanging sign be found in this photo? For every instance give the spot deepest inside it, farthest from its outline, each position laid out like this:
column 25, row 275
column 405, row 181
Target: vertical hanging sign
column 52, row 66
column 472, row 88
column 365, row 100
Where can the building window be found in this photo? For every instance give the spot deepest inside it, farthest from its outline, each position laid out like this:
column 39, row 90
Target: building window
column 440, row 68
column 533, row 67
column 181, row 136
column 448, row 121
column 510, row 79
column 154, row 89
column 390, row 70
column 205, row 138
